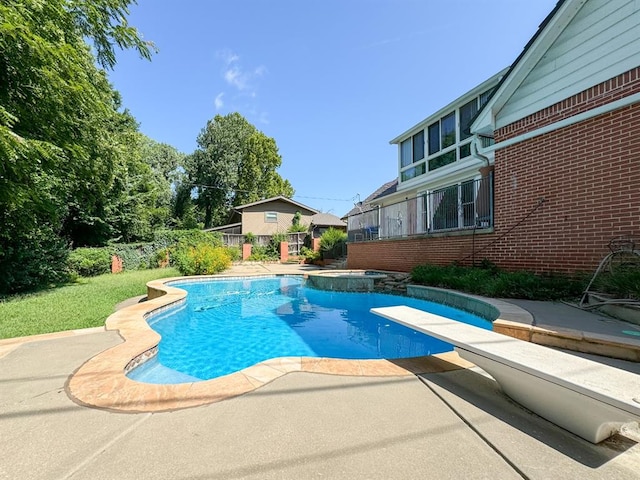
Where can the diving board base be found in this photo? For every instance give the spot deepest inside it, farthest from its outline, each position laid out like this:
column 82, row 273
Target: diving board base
column 587, row 398
column 590, row 419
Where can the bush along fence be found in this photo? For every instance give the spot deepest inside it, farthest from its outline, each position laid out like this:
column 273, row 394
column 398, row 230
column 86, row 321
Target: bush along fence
column 195, row 252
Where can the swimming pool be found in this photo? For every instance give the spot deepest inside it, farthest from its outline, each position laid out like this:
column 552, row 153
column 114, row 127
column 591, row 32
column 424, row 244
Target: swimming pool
column 226, row 325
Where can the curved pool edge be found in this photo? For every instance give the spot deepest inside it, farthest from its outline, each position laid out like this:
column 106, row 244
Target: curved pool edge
column 101, row 381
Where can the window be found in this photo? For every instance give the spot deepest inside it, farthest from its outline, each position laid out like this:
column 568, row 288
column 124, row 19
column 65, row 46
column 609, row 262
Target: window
column 442, row 160
column 467, row 112
column 418, row 146
column 434, row 138
column 412, row 149
column 271, row 217
column 448, row 128
column 464, row 151
column 413, row 172
column 484, row 97
column 405, row 153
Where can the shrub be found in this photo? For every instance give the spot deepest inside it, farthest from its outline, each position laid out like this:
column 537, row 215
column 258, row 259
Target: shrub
column 308, row 254
column 492, row 282
column 621, row 283
column 202, row 259
column 235, row 253
column 136, row 256
column 32, row 260
column 332, row 242
column 168, row 238
column 89, row 262
column 261, row 253
column 250, row 238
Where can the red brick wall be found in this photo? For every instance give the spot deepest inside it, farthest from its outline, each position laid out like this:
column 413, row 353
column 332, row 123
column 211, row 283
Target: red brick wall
column 402, row 254
column 588, row 175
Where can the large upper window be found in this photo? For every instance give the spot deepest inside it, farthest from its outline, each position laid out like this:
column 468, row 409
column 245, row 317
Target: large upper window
column 448, row 139
column 434, row 138
column 467, row 113
column 448, row 130
column 412, row 149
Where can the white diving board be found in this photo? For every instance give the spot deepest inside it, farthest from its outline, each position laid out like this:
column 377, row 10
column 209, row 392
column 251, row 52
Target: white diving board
column 587, row 398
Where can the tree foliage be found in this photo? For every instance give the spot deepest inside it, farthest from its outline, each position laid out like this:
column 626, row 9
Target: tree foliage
column 63, row 142
column 234, row 164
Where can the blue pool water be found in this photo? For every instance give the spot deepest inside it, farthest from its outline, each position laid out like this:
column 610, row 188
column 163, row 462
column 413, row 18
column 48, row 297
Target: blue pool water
column 227, row 325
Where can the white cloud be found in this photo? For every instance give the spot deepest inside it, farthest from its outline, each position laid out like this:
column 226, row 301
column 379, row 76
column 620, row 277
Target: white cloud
column 242, row 78
column 235, row 77
column 243, row 82
column 227, row 56
column 218, row 101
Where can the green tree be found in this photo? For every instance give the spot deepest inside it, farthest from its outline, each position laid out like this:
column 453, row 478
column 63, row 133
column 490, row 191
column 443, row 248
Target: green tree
column 234, row 163
column 60, row 132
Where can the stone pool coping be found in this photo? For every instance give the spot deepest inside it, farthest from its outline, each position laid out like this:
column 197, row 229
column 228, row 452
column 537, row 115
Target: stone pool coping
column 101, row 381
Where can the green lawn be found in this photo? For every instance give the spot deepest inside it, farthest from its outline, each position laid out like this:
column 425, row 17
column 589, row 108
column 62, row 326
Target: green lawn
column 80, row 305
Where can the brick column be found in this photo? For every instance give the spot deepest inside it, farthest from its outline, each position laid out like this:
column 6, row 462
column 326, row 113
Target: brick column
column 246, row 251
column 284, row 251
column 116, row 264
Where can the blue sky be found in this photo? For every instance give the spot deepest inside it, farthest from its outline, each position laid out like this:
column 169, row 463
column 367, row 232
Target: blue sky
column 331, row 81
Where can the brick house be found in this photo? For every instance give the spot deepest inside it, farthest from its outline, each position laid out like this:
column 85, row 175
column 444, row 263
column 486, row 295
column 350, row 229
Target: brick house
column 537, row 168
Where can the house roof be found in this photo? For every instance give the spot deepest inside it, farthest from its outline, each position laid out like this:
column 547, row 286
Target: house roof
column 548, row 31
column 273, row 199
column 327, row 220
column 366, row 205
column 223, row 227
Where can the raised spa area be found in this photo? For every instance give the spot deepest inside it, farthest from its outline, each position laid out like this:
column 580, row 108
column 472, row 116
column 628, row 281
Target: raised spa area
column 346, row 280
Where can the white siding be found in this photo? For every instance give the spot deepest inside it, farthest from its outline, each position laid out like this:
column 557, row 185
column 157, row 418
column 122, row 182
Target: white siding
column 602, row 41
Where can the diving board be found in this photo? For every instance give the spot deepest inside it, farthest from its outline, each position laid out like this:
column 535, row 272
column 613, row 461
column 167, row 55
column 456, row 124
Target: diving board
column 587, row 398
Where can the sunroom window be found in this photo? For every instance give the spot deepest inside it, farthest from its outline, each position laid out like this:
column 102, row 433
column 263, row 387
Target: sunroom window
column 412, row 149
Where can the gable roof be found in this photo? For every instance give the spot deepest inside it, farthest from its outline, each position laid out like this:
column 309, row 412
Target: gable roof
column 365, row 206
column 273, row 199
column 548, row 31
column 327, row 220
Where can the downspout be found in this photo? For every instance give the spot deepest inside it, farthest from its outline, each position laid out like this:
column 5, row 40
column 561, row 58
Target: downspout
column 475, row 153
column 484, row 172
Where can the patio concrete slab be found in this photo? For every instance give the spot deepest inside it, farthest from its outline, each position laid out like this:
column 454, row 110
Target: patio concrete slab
column 303, row 425
column 454, row 424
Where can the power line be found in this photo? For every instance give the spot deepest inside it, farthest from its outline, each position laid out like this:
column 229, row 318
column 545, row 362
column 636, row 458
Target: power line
column 331, row 199
column 350, row 200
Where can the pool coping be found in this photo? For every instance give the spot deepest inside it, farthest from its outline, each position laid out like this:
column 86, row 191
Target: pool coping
column 101, row 381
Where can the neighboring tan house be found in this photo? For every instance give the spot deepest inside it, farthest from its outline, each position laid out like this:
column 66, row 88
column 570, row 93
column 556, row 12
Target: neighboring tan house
column 537, row 168
column 266, row 217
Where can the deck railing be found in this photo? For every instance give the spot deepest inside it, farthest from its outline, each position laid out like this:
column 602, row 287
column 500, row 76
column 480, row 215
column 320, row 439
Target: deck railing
column 462, row 206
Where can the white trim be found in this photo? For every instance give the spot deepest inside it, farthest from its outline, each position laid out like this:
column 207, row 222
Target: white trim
column 457, row 103
column 526, row 64
column 609, row 107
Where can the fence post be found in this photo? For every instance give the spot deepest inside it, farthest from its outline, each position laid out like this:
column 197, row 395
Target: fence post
column 116, row 264
column 246, row 251
column 284, row 251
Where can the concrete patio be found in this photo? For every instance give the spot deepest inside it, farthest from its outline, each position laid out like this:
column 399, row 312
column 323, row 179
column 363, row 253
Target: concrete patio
column 453, row 424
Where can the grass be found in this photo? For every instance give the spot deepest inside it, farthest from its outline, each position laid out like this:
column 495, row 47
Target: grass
column 84, row 304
